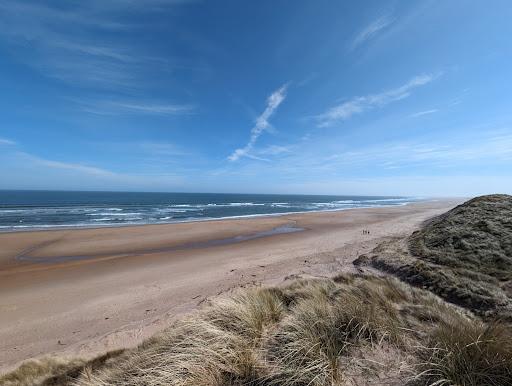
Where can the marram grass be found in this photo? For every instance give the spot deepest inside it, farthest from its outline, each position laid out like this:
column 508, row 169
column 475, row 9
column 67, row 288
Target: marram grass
column 311, row 332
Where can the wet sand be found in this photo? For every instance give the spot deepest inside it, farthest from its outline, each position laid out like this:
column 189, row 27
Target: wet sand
column 84, row 291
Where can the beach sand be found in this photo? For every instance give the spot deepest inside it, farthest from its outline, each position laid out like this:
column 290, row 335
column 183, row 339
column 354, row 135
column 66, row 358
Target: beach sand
column 80, row 292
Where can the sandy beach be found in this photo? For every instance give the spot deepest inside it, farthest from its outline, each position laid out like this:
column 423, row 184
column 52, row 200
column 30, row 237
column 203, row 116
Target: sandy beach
column 84, row 291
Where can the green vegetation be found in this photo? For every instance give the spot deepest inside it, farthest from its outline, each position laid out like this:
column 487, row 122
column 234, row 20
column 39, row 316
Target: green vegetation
column 464, row 256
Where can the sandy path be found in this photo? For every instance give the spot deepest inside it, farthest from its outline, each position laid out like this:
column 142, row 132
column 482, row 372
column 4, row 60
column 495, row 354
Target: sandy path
column 131, row 282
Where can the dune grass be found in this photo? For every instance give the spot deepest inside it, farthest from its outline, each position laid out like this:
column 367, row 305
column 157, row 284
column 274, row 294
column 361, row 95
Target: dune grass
column 311, row 332
column 469, row 353
column 464, row 256
column 55, row 371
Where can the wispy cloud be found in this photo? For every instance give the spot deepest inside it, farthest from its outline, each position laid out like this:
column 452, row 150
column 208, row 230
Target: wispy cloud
column 275, row 150
column 395, row 157
column 360, row 104
column 406, row 154
column 28, row 171
column 5, row 141
column 90, row 170
column 262, row 124
column 154, row 109
column 62, row 42
column 153, row 157
column 269, row 153
column 371, row 30
column 421, row 113
column 25, row 158
column 162, row 148
column 134, row 107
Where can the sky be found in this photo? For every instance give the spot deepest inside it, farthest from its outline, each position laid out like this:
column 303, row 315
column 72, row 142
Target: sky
column 272, row 96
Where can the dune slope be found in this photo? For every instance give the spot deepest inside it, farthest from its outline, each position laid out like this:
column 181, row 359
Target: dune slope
column 464, row 256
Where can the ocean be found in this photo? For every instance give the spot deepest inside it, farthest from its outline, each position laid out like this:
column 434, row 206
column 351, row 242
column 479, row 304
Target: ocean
column 21, row 210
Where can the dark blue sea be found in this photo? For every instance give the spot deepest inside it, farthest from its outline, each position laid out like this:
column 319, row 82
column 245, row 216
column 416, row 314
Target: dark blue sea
column 51, row 209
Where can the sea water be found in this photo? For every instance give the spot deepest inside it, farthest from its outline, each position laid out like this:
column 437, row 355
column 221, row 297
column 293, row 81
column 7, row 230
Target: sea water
column 21, row 210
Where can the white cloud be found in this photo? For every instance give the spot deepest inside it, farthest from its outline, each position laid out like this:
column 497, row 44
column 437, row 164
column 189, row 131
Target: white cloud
column 23, row 170
column 26, row 171
column 62, row 43
column 273, row 102
column 426, row 112
column 275, row 150
column 90, row 170
column 154, row 109
column 4, row 141
column 134, row 107
column 406, row 154
column 319, row 158
column 371, row 30
column 358, row 105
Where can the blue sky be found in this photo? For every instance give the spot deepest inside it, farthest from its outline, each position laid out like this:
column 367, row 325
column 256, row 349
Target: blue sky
column 281, row 96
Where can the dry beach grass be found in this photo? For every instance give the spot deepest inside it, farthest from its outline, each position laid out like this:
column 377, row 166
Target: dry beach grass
column 311, row 332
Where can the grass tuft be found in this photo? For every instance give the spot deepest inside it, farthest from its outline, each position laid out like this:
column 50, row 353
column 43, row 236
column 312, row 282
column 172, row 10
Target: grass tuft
column 467, row 352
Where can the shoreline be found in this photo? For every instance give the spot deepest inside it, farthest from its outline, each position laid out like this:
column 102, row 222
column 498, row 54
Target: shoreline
column 44, row 228
column 139, row 279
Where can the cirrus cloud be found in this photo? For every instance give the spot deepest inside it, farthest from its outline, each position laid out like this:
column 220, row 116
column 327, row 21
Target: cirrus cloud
column 262, row 124
column 360, row 104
